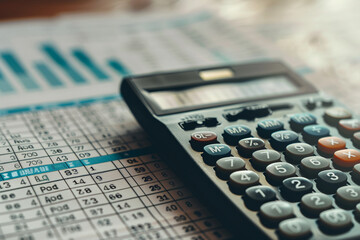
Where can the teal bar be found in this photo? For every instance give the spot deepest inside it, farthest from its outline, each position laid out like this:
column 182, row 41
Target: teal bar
column 74, row 164
column 90, row 64
column 59, row 166
column 118, row 67
column 5, row 86
column 27, row 172
column 49, row 75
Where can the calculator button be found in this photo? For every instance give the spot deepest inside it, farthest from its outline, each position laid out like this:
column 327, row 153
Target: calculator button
column 295, row 228
column 266, row 127
column 200, row 139
column 247, row 146
column 310, row 104
column 276, row 211
column 210, row 122
column 264, row 157
column 256, row 111
column 258, row 195
column 213, row 152
column 225, row 166
column 313, row 204
column 328, row 181
column 280, row 139
column 295, row 187
column 335, row 114
column 240, row 180
column 348, row 127
column 357, row 212
column 335, row 221
column 356, row 139
column 300, row 120
column 348, row 196
column 356, row 173
column 311, row 166
column 313, row 133
column 232, row 134
column 329, row 145
column 346, row 158
column 189, row 124
column 277, row 172
column 327, row 102
column 297, row 151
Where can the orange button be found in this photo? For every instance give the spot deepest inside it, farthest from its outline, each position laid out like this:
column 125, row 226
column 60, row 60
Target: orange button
column 346, row 157
column 329, row 145
column 348, row 127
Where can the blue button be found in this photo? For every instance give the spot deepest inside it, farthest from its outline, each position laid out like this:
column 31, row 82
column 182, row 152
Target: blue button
column 266, row 127
column 213, row 152
column 280, row 139
column 300, row 120
column 313, row 133
column 232, row 134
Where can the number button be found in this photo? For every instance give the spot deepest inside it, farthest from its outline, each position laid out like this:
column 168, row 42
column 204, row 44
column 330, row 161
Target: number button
column 313, row 133
column 294, row 188
column 329, row 181
column 348, row 196
column 329, row 145
column 300, row 120
column 295, row 228
column 346, row 158
column 313, row 204
column 247, row 146
column 232, row 134
column 277, row 172
column 264, row 157
column 266, row 127
column 297, row 151
column 241, row 180
column 311, row 166
column 280, row 139
column 271, row 213
column 347, row 127
column 213, row 152
column 225, row 166
column 335, row 221
column 200, row 139
column 258, row 195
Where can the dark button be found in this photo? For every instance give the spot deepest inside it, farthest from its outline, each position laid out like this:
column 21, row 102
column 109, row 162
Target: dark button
column 200, row 139
column 347, row 127
column 295, row 187
column 311, row 166
column 210, row 122
column 277, row 172
column 310, row 103
column 225, row 166
column 346, row 158
column 356, row 173
column 232, row 134
column 300, row 120
column 348, row 196
column 258, row 195
column 329, row 181
column 213, row 152
column 297, row 151
column 295, row 228
column 335, row 114
column 264, row 157
column 313, row 204
column 271, row 213
column 280, row 139
column 232, row 116
column 313, row 133
column 240, row 180
column 329, row 145
column 266, row 127
column 356, row 139
column 189, row 124
column 247, row 146
column 327, row 102
column 256, row 111
column 357, row 212
column 335, row 221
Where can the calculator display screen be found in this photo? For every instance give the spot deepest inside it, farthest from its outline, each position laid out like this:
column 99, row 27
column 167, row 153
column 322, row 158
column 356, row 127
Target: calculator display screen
column 223, row 92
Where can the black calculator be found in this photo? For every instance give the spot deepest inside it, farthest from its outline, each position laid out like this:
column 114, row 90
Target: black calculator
column 273, row 157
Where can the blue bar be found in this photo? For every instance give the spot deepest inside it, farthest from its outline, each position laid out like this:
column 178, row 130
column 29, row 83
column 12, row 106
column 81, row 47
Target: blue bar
column 27, row 172
column 15, row 65
column 119, row 67
column 90, row 64
column 49, row 75
column 5, row 86
column 59, row 166
column 74, row 164
column 54, row 54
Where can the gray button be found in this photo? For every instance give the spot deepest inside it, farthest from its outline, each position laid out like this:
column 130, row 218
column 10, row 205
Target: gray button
column 274, row 212
column 357, row 212
column 311, row 166
column 241, row 180
column 348, row 196
column 247, row 146
column 356, row 173
column 277, row 172
column 313, row 204
column 335, row 221
column 264, row 157
column 297, row 151
column 225, row 166
column 295, row 228
column 335, row 114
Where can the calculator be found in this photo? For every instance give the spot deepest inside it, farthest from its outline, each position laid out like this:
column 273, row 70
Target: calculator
column 272, row 156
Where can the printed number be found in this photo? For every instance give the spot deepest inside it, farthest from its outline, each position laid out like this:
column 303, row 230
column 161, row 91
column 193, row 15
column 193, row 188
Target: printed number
column 300, row 148
column 352, row 192
column 260, row 192
column 332, row 176
column 280, row 169
column 317, row 200
column 315, row 162
column 245, row 177
column 297, row 184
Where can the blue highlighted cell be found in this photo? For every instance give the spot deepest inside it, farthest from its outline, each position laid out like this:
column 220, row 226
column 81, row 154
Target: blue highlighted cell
column 27, row 172
column 56, row 56
column 90, row 64
column 19, row 70
column 74, row 164
column 59, row 166
column 5, row 86
column 48, row 75
column 118, row 67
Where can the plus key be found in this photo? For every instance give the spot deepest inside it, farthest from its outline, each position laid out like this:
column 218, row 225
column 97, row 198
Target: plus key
column 346, row 158
column 329, row 145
